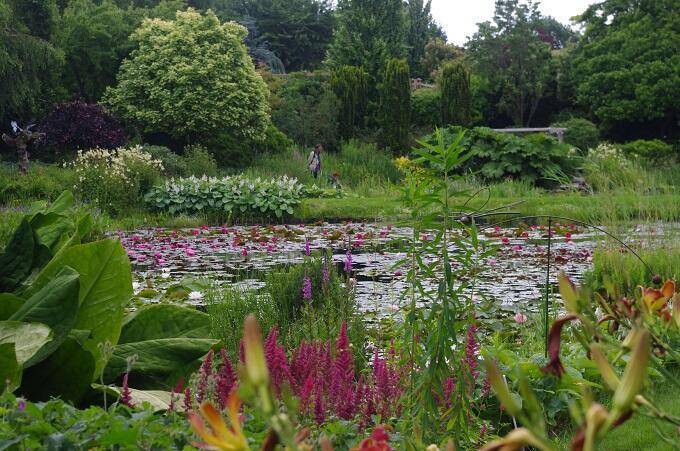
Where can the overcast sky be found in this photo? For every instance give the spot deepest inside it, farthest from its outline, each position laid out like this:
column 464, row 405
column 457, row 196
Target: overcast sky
column 460, row 17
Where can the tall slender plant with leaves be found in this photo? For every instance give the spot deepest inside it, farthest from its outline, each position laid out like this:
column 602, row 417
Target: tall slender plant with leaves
column 434, row 335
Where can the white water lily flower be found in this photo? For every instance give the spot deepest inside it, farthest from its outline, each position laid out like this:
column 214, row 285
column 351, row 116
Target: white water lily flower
column 195, row 296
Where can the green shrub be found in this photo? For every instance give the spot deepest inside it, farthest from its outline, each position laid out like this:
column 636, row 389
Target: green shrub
column 360, row 162
column 395, row 106
column 305, row 108
column 228, row 308
column 538, row 159
column 581, row 133
column 198, row 161
column 275, row 141
column 174, row 165
column 426, row 108
column 606, row 168
column 232, row 152
column 116, row 180
column 229, row 197
column 321, row 317
column 654, row 150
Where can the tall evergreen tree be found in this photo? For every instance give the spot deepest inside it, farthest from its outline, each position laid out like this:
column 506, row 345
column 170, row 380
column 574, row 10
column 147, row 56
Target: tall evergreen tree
column 29, row 64
column 396, row 105
column 368, row 33
column 349, row 84
column 421, row 29
column 455, row 92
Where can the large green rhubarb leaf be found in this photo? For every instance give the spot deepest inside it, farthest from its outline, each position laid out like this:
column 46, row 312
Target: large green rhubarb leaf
column 164, row 321
column 167, row 341
column 66, row 373
column 105, row 288
column 55, row 305
column 27, row 338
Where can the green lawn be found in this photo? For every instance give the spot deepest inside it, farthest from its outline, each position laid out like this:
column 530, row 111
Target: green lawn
column 597, row 208
column 639, row 433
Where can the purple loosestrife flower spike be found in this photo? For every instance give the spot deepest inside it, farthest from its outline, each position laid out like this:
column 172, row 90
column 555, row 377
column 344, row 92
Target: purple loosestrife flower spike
column 325, row 273
column 307, row 289
column 308, row 251
column 348, row 261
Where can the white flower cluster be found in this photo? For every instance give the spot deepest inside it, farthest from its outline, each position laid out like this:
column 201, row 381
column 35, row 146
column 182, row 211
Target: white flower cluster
column 234, row 182
column 117, row 164
column 607, row 151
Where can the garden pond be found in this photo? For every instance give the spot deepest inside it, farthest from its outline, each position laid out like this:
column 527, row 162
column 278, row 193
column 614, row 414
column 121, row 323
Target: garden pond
column 181, row 265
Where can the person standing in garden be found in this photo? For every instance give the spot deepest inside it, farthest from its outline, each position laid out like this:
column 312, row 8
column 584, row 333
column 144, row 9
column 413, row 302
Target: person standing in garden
column 314, row 160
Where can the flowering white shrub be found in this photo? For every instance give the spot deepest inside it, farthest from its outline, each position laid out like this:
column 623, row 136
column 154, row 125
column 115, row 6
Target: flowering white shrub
column 607, row 168
column 234, row 195
column 115, row 179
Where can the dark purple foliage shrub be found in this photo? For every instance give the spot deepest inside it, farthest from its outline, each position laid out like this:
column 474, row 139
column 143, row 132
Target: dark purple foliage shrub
column 79, row 125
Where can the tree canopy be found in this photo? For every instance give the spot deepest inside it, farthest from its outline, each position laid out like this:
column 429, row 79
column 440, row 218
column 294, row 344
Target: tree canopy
column 626, row 68
column 510, row 53
column 191, row 78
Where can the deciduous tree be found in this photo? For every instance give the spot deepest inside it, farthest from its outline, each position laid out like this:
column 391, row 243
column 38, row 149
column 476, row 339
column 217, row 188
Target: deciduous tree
column 626, row 69
column 191, row 78
column 510, row 53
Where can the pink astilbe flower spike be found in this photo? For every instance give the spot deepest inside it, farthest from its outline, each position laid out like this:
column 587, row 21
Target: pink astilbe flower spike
column 125, row 395
column 277, row 363
column 226, row 380
column 319, row 406
column 204, row 374
column 306, row 394
column 342, row 372
column 188, row 405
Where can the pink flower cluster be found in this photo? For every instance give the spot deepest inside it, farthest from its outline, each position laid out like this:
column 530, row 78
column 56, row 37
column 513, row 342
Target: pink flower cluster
column 323, row 377
column 321, row 374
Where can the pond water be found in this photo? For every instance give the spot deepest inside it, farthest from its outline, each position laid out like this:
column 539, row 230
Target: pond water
column 512, row 280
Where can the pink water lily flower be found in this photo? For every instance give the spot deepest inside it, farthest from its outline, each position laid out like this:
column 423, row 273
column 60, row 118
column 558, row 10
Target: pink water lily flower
column 189, row 252
column 520, row 318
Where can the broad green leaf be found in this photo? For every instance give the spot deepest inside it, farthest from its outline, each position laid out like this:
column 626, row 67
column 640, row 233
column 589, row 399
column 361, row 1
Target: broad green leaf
column 50, row 228
column 67, row 373
column 9, row 303
column 17, row 261
column 158, row 399
column 164, row 321
column 10, row 370
column 159, row 363
column 105, row 288
column 55, row 305
column 28, row 338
